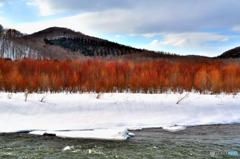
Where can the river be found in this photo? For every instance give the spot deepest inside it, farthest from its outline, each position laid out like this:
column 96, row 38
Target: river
column 221, row 141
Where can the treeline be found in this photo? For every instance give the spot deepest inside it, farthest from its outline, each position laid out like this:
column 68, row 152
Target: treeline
column 100, row 75
column 92, row 47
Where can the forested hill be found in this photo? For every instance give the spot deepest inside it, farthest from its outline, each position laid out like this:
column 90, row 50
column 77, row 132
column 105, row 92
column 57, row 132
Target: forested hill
column 63, row 43
column 232, row 53
column 78, row 42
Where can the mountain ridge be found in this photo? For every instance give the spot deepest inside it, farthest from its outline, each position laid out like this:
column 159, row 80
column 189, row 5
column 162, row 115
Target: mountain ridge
column 60, row 43
column 64, row 43
column 79, row 42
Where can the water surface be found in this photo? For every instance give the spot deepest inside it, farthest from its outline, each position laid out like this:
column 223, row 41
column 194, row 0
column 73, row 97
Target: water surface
column 193, row 142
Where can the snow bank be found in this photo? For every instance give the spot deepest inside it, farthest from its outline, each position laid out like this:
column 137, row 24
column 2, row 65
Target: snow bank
column 104, row 134
column 114, row 111
column 174, row 128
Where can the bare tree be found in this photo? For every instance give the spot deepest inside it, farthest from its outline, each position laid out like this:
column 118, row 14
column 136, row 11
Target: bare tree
column 1, row 30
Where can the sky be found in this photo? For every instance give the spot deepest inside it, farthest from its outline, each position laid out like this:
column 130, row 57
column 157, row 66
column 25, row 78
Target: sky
column 185, row 27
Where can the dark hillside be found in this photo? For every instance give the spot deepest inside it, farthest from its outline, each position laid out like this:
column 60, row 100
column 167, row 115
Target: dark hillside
column 78, row 42
column 92, row 47
column 233, row 53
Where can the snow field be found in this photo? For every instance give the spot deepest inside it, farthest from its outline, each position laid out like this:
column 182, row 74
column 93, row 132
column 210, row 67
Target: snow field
column 109, row 115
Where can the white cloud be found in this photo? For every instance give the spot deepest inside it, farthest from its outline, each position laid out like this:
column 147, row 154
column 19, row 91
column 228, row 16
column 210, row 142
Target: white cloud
column 44, row 7
column 4, row 22
column 90, row 5
column 115, row 20
column 236, row 28
column 225, row 39
column 73, row 22
column 49, row 7
column 120, row 36
column 189, row 39
column 147, row 17
column 2, row 2
column 149, row 35
column 90, row 23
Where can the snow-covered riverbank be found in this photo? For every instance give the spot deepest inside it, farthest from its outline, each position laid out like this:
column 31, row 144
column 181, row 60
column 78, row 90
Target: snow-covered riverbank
column 120, row 111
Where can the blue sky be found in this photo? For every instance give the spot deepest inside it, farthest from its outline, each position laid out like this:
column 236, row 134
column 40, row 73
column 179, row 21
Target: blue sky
column 204, row 27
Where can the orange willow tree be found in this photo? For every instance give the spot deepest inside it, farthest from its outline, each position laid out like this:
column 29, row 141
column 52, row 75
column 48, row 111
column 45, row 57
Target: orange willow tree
column 100, row 75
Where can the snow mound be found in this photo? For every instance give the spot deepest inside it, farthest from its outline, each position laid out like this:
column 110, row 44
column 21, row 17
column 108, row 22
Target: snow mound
column 101, row 134
column 67, row 148
column 174, row 128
